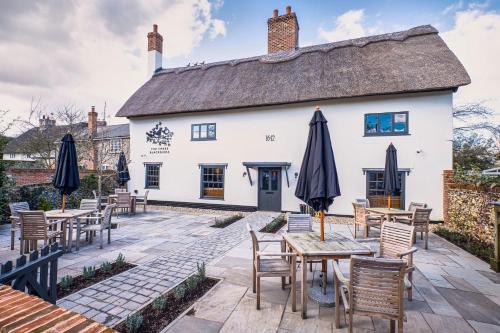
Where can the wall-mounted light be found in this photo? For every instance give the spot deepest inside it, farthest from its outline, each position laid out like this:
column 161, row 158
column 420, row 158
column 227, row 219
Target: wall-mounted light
column 296, row 175
column 419, row 151
column 135, row 191
column 244, row 174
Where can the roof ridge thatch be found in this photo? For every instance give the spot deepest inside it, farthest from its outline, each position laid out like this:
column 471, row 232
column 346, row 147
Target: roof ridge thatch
column 282, row 56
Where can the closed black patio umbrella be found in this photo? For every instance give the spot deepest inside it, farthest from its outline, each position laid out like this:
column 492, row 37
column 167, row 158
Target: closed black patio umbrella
column 67, row 178
column 123, row 175
column 318, row 183
column 391, row 180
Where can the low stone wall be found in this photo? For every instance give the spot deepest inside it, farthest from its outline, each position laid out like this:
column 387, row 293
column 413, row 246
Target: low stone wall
column 469, row 210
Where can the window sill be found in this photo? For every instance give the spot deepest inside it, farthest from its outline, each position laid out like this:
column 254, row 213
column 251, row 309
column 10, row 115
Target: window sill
column 211, row 198
column 204, row 139
column 151, row 188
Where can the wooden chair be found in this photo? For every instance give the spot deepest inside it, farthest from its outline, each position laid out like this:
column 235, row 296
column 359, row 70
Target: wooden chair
column 414, row 205
column 361, row 217
column 375, row 288
column 371, row 216
column 142, row 201
column 123, row 202
column 420, row 221
column 15, row 222
column 87, row 204
column 298, row 223
column 276, row 266
column 104, row 199
column 35, row 227
column 120, row 190
column 102, row 222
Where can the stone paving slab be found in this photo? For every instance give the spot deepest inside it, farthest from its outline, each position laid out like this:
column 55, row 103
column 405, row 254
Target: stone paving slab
column 134, row 288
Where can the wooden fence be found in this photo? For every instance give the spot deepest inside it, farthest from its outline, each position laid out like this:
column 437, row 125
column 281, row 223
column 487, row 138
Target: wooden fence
column 36, row 277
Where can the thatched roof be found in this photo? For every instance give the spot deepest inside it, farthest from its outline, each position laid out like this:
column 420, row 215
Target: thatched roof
column 414, row 60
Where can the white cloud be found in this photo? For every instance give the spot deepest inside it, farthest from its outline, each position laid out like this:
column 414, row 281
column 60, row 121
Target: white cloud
column 474, row 40
column 348, row 25
column 453, row 7
column 90, row 52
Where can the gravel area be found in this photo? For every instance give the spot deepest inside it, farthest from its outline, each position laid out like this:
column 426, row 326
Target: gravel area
column 198, row 211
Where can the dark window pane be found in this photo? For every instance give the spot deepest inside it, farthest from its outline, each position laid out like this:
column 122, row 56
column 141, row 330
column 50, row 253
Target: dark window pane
column 265, row 181
column 385, row 122
column 274, row 180
column 371, row 123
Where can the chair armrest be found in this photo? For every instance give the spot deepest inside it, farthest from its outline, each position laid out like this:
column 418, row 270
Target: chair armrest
column 89, row 217
column 339, row 274
column 270, row 240
column 275, row 254
column 407, row 252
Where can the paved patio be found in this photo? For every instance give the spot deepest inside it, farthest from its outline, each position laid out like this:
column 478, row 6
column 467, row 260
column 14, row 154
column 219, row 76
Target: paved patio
column 454, row 291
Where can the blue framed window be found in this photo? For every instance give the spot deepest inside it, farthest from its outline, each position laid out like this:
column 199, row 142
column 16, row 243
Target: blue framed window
column 152, row 176
column 203, row 132
column 388, row 123
column 212, row 181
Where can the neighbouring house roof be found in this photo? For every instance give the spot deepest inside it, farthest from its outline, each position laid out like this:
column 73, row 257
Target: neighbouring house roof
column 414, row 60
column 113, row 131
column 22, row 143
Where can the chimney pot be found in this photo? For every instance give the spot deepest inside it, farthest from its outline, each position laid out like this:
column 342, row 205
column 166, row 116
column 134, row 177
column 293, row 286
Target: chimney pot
column 288, row 10
column 155, row 27
column 275, row 13
column 92, row 120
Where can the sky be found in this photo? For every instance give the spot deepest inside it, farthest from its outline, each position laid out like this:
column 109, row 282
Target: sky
column 94, row 52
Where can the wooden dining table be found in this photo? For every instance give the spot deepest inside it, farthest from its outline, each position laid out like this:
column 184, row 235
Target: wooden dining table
column 69, row 216
column 309, row 247
column 389, row 213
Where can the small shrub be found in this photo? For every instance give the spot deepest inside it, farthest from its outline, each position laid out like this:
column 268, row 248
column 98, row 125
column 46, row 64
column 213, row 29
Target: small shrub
column 44, row 204
column 201, row 271
column 106, row 267
column 134, row 322
column 88, row 272
column 66, row 282
column 221, row 223
column 481, row 249
column 179, row 292
column 120, row 260
column 275, row 224
column 192, row 282
column 160, row 302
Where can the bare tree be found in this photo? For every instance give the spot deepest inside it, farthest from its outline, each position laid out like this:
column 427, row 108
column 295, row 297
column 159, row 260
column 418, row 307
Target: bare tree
column 5, row 124
column 43, row 132
column 474, row 117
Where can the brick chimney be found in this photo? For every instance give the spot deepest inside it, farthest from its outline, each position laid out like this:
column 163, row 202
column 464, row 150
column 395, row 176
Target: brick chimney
column 92, row 121
column 282, row 31
column 46, row 122
column 155, row 50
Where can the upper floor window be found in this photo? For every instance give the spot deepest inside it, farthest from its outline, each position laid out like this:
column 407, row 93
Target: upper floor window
column 28, row 155
column 152, row 175
column 389, row 123
column 116, row 145
column 12, row 155
column 201, row 132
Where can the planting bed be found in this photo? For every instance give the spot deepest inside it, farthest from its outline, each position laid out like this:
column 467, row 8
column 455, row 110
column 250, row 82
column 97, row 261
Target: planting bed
column 275, row 225
column 226, row 221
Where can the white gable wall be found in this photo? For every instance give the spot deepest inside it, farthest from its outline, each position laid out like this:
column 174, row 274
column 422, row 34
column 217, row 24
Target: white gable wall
column 241, row 137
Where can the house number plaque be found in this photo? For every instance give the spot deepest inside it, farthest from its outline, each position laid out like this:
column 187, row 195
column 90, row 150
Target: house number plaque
column 270, row 137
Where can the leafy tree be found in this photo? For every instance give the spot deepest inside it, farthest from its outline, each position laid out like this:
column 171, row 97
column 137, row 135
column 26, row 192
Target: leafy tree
column 472, row 151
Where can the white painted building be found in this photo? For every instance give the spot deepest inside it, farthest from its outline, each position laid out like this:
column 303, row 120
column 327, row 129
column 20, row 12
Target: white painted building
column 234, row 133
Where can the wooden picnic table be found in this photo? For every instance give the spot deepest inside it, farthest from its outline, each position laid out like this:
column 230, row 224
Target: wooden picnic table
column 69, row 215
column 309, row 247
column 389, row 212
column 21, row 312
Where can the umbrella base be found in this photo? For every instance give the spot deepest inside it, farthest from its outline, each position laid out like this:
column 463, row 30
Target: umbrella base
column 326, row 300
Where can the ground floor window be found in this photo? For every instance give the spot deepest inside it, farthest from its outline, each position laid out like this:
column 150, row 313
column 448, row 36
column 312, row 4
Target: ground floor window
column 375, row 192
column 152, row 175
column 212, row 181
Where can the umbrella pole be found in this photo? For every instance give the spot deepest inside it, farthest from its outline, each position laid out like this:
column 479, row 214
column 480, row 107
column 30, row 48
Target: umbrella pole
column 63, row 202
column 323, row 262
column 389, row 201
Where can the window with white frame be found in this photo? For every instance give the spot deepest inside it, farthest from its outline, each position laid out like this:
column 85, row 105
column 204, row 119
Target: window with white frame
column 12, row 155
column 116, row 145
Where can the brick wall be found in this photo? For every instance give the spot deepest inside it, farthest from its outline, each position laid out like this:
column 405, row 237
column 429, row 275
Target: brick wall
column 35, row 176
column 282, row 32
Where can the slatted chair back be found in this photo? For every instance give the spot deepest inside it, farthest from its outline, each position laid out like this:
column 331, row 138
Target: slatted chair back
column 87, row 204
column 123, row 199
column 15, row 207
column 364, row 202
column 106, row 216
column 33, row 225
column 414, row 205
column 376, row 287
column 421, row 217
column 299, row 223
column 359, row 212
column 120, row 190
column 395, row 238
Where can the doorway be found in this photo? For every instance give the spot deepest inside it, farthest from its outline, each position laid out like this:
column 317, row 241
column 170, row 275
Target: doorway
column 269, row 189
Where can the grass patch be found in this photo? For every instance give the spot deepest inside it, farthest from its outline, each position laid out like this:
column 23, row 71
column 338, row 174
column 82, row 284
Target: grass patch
column 274, row 225
column 224, row 222
column 482, row 250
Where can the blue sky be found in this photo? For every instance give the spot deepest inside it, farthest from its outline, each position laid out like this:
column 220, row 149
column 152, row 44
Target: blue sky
column 85, row 53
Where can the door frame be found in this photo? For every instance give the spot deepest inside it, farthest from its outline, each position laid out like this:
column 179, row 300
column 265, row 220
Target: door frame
column 403, row 173
column 279, row 186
